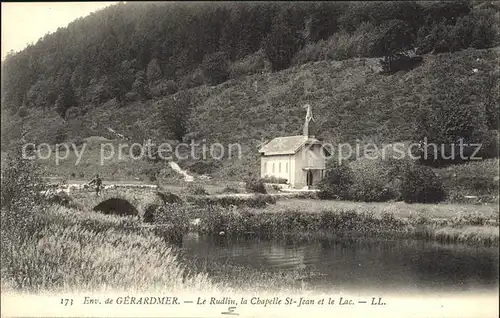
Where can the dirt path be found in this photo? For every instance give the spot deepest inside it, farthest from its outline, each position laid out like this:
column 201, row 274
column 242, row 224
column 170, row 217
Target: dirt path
column 176, row 168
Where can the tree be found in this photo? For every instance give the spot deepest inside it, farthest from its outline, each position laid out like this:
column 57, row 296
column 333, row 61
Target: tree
column 139, row 86
column 65, row 100
column 215, row 67
column 280, row 46
column 337, row 181
column 393, row 36
column 119, row 83
column 153, row 70
column 174, row 114
column 421, row 185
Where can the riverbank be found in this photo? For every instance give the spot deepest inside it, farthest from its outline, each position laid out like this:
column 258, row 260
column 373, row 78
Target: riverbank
column 294, row 224
column 306, row 219
column 72, row 250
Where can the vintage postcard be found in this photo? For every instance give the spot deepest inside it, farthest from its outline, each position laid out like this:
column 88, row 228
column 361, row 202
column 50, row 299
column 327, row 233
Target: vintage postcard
column 250, row 159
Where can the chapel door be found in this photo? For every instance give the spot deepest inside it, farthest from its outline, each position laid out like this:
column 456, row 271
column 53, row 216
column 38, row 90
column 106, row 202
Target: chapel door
column 309, row 178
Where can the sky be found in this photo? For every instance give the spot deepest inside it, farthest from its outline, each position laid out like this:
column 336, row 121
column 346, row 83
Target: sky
column 25, row 23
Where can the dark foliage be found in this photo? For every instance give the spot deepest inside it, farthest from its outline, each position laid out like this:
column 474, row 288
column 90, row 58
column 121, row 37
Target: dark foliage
column 230, row 189
column 174, row 114
column 201, row 167
column 255, row 185
column 215, row 67
column 455, row 117
column 22, row 205
column 255, row 201
column 104, row 52
column 168, row 197
column 60, row 198
column 21, row 183
column 400, row 61
column 274, row 180
column 196, row 189
column 170, row 220
column 280, row 46
column 421, row 184
column 337, row 182
column 149, row 213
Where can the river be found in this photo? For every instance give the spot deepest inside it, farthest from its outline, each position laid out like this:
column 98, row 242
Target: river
column 349, row 264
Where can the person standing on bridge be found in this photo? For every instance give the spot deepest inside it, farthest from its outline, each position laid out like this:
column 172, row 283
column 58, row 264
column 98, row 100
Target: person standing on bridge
column 98, row 184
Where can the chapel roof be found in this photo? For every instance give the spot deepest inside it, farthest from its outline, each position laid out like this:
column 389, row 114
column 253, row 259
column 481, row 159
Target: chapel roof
column 286, row 145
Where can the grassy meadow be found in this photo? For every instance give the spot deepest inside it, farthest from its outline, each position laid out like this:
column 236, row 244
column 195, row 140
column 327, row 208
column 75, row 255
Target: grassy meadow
column 77, row 250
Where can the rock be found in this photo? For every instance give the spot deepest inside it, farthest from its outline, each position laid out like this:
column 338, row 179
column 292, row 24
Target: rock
column 116, row 206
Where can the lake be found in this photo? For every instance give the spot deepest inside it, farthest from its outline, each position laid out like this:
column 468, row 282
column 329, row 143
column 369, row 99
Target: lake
column 351, row 264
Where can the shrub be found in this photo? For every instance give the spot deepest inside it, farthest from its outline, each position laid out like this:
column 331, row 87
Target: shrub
column 375, row 180
column 168, row 197
column 337, row 182
column 21, row 204
column 255, row 185
column 73, row 112
column 201, row 166
column 472, row 178
column 251, row 64
column 153, row 71
column 256, row 201
column 60, row 198
column 174, row 221
column 196, row 189
column 260, row 201
column 151, row 173
column 230, row 189
column 274, row 180
column 306, row 195
column 195, row 79
column 216, row 67
column 21, row 183
column 164, row 88
column 131, row 96
column 421, row 184
column 399, row 62
column 172, row 217
column 22, row 112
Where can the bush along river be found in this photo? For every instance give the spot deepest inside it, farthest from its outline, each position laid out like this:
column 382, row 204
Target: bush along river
column 344, row 250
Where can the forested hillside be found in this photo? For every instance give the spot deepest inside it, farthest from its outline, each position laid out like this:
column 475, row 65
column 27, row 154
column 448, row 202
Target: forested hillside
column 241, row 72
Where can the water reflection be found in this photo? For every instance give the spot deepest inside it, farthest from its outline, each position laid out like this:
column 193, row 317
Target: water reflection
column 350, row 264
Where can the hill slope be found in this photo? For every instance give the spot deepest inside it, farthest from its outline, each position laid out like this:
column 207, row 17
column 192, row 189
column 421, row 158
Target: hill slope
column 350, row 100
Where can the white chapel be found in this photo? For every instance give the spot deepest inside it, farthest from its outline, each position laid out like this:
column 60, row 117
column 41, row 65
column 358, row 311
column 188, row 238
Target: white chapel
column 298, row 159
